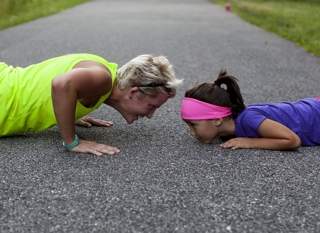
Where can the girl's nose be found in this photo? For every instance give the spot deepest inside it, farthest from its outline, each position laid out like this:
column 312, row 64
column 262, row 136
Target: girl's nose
column 193, row 133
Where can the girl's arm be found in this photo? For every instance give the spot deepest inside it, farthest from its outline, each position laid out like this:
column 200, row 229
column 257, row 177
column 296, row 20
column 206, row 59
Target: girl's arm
column 274, row 136
column 79, row 83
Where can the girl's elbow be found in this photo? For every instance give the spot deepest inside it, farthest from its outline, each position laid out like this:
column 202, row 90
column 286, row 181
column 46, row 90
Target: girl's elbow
column 295, row 142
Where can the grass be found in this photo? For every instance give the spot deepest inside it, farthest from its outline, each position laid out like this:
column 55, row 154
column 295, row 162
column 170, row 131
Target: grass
column 296, row 20
column 13, row 12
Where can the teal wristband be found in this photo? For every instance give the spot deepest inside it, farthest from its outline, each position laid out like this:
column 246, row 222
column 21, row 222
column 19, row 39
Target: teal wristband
column 73, row 144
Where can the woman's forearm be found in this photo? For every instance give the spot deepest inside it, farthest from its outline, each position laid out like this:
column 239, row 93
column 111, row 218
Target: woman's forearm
column 64, row 99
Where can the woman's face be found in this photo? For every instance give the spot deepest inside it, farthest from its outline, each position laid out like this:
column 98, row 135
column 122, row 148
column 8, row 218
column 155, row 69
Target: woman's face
column 139, row 105
column 203, row 130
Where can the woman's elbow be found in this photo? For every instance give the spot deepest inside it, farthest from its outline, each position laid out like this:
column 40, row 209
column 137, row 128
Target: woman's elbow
column 56, row 86
column 60, row 86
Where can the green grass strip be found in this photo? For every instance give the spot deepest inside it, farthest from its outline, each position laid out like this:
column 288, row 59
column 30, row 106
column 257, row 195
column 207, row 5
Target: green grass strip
column 298, row 21
column 13, row 12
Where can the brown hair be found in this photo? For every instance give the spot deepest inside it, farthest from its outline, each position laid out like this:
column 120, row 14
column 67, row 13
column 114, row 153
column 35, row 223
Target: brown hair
column 214, row 93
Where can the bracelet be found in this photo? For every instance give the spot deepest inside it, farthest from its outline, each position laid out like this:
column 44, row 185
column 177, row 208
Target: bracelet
column 73, row 144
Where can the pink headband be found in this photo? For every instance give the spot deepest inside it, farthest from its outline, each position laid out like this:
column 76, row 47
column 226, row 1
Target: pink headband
column 192, row 109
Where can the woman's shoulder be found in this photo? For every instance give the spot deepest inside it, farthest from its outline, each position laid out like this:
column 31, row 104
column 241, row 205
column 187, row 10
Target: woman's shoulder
column 88, row 56
column 90, row 59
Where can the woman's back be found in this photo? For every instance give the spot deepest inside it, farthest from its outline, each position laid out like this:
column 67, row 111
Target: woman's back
column 27, row 93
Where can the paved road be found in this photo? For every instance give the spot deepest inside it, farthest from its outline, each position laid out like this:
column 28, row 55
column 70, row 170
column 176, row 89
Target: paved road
column 163, row 180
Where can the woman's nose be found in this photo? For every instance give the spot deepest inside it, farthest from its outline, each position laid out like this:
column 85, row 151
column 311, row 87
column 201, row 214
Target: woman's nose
column 150, row 114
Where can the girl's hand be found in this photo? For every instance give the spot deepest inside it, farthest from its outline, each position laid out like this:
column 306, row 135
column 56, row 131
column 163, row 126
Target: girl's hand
column 95, row 148
column 274, row 136
column 237, row 143
column 87, row 121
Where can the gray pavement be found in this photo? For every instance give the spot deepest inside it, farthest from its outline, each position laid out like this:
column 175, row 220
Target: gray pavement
column 163, row 180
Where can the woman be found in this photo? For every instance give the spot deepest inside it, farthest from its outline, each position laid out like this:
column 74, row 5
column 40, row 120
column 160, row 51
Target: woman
column 62, row 90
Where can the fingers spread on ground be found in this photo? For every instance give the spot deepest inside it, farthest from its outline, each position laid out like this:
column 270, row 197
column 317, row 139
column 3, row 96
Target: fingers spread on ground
column 105, row 123
column 96, row 152
column 87, row 124
column 107, row 151
column 84, row 123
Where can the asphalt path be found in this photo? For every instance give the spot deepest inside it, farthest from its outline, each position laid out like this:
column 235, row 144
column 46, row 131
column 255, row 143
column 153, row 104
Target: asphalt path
column 163, row 180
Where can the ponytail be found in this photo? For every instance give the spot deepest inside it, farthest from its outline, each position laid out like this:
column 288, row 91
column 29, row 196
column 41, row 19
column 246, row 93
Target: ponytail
column 233, row 90
column 215, row 93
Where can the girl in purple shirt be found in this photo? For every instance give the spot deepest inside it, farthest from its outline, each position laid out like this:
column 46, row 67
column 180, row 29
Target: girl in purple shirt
column 212, row 111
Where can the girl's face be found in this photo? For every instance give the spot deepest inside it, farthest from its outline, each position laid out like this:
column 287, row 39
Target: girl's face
column 204, row 130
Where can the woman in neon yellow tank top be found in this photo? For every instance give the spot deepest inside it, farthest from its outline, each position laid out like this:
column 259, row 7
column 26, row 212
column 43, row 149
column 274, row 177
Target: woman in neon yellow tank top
column 63, row 90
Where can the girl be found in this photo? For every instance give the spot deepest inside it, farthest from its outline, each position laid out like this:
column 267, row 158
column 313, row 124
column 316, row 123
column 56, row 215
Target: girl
column 64, row 89
column 212, row 111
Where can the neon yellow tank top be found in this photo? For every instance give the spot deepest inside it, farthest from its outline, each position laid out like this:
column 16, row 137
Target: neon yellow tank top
column 25, row 93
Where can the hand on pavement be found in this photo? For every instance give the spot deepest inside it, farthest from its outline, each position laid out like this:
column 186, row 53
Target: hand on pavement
column 91, row 121
column 95, row 148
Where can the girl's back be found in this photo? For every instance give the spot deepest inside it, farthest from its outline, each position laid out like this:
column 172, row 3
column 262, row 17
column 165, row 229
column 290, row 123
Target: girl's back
column 302, row 117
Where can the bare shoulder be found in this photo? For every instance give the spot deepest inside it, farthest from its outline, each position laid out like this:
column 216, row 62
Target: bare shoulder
column 93, row 65
column 87, row 78
column 87, row 64
column 100, row 76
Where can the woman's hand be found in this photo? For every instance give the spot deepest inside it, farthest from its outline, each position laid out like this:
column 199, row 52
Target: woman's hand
column 95, row 148
column 88, row 122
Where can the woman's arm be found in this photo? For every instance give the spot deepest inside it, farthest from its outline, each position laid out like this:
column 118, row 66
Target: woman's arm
column 79, row 83
column 68, row 88
column 274, row 136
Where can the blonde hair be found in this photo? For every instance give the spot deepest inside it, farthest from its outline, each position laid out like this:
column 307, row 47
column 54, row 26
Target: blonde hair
column 151, row 74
